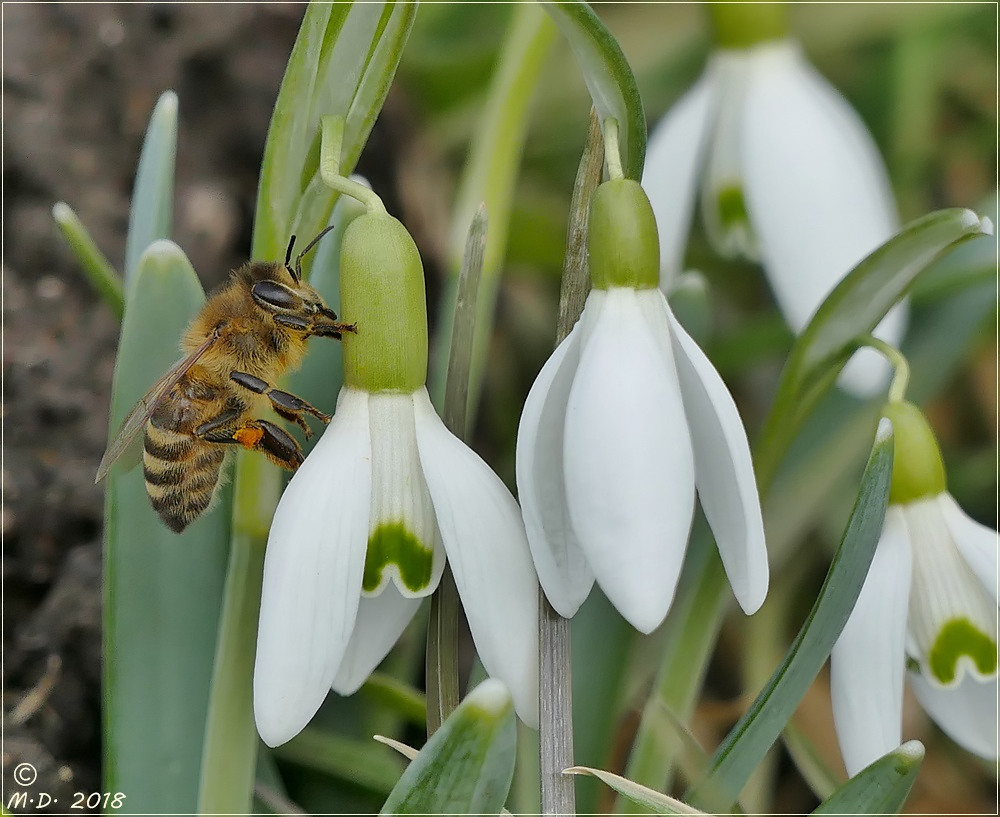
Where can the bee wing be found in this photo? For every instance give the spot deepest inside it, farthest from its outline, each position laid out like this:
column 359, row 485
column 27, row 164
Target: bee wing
column 143, row 410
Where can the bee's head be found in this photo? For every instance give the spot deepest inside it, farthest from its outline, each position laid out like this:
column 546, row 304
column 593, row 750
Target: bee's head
column 280, row 296
column 279, row 290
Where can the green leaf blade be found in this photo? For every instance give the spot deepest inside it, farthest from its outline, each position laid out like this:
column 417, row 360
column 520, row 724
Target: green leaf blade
column 103, row 276
column 159, row 586
column 153, row 194
column 881, row 788
column 655, row 801
column 342, row 63
column 467, row 765
column 751, row 738
column 853, row 310
column 608, row 76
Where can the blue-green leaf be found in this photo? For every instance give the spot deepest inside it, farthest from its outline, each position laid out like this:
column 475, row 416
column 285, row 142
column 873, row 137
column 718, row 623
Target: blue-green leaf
column 342, row 63
column 748, row 742
column 852, row 310
column 153, row 193
column 162, row 591
column 608, row 75
column 881, row 788
column 655, row 801
column 467, row 766
column 103, row 277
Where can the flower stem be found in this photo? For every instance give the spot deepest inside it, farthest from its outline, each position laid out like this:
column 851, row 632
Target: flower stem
column 555, row 688
column 442, row 629
column 901, row 368
column 229, row 758
column 332, row 136
column 490, row 175
column 612, row 150
column 230, row 754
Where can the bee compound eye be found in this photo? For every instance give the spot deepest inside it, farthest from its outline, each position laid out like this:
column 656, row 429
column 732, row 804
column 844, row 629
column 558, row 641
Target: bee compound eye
column 272, row 295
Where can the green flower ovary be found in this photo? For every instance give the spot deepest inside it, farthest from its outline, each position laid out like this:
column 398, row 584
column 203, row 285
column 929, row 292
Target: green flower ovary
column 960, row 638
column 622, row 241
column 742, row 25
column 382, row 291
column 917, row 469
column 392, row 544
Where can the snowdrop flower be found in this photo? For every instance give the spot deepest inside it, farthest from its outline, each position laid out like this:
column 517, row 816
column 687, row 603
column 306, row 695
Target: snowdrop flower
column 625, row 419
column 360, row 535
column 928, row 610
column 786, row 172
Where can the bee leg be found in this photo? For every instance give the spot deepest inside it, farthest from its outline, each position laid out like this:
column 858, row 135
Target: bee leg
column 259, row 435
column 210, row 430
column 324, row 327
column 284, row 404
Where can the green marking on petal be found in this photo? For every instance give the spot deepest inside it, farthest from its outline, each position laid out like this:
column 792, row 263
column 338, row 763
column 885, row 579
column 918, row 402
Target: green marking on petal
column 960, row 637
column 732, row 208
column 393, row 544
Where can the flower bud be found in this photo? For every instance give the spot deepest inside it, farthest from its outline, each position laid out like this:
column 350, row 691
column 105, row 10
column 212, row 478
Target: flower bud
column 917, row 470
column 382, row 291
column 622, row 239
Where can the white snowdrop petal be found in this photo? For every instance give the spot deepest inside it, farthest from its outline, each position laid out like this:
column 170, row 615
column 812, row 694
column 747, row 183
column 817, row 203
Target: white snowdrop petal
column 380, row 622
column 868, row 660
column 674, row 158
column 562, row 568
column 976, row 542
column 816, row 188
column 488, row 552
column 723, row 469
column 312, row 575
column 629, row 468
column 967, row 713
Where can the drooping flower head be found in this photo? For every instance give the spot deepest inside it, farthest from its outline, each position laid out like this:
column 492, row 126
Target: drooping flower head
column 362, row 532
column 622, row 424
column 927, row 612
column 785, row 171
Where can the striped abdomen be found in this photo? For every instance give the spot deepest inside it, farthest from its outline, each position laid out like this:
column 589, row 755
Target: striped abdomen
column 181, row 473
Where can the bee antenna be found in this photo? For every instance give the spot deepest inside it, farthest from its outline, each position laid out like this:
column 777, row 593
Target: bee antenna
column 288, row 256
column 309, row 246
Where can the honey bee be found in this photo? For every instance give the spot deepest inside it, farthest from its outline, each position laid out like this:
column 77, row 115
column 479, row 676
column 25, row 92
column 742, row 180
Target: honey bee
column 250, row 331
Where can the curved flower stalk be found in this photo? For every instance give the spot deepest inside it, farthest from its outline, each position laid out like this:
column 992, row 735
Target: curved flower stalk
column 928, row 610
column 786, row 172
column 363, row 530
column 625, row 419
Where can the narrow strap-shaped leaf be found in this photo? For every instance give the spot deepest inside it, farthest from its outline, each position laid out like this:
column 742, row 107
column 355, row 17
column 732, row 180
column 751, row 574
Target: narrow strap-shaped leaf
column 342, row 63
column 153, row 192
column 467, row 765
column 357, row 761
column 608, row 75
column 852, row 310
column 489, row 177
column 881, row 788
column 757, row 730
column 103, row 277
column 655, row 801
column 162, row 591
